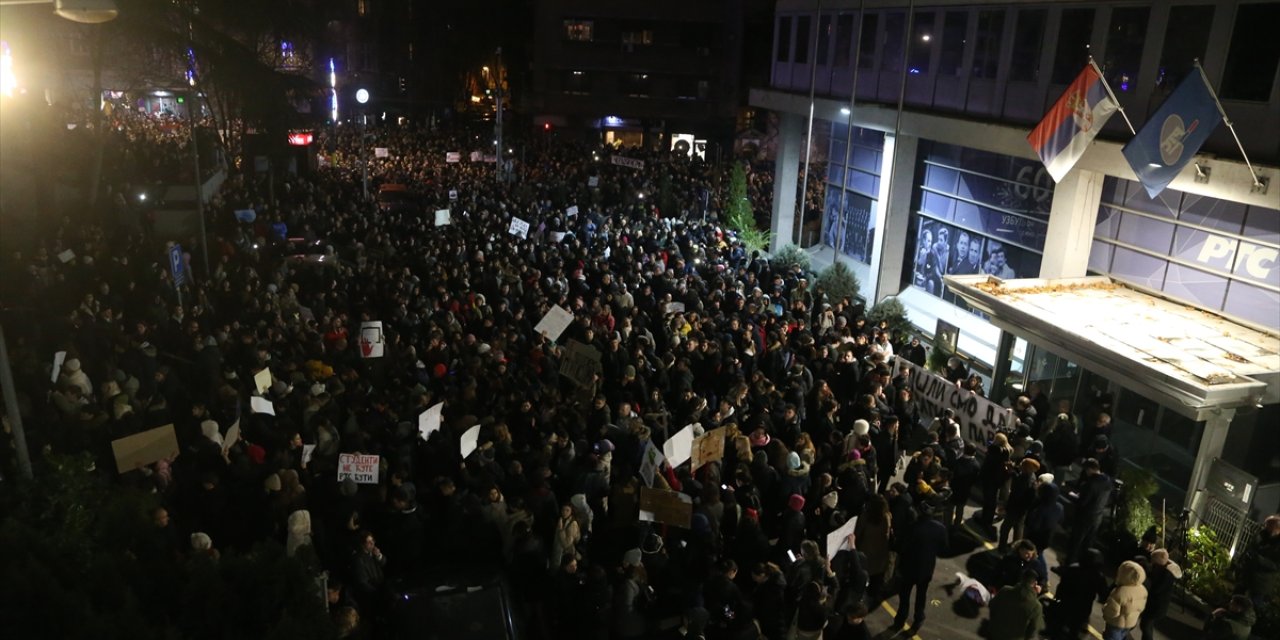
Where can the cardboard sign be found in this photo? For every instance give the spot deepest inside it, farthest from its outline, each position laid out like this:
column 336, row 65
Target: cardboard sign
column 631, row 163
column 470, row 441
column 838, row 540
column 372, row 341
column 262, row 405
column 980, row 419
column 650, row 461
column 593, row 181
column 67, row 256
column 361, row 468
column 580, row 363
column 381, row 152
column 443, row 218
column 679, row 447
column 141, row 449
column 262, row 381
column 453, row 194
column 429, row 420
column 232, row 437
column 58, row 358
column 708, row 448
column 571, row 211
column 673, row 307
column 668, row 507
column 554, row 323
column 308, row 450
column 453, row 156
column 518, row 228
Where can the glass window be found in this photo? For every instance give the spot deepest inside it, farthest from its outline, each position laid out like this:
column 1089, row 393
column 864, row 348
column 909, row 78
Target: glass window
column 955, row 25
column 1073, row 45
column 1028, row 35
column 1253, row 55
column 635, row 85
column 824, row 39
column 844, row 40
column 1125, row 37
column 891, row 52
column 578, row 30
column 986, row 47
column 784, row 39
column 1185, row 40
column 867, row 41
column 922, row 41
column 802, row 39
column 577, row 82
column 638, row 37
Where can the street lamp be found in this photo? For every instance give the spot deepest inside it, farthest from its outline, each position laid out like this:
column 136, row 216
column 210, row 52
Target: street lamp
column 362, row 96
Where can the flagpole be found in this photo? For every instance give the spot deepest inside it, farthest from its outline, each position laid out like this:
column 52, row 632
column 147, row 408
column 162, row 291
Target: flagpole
column 1226, row 120
column 1111, row 94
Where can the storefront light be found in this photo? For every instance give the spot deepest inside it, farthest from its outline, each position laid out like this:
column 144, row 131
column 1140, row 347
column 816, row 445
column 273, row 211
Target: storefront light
column 8, row 81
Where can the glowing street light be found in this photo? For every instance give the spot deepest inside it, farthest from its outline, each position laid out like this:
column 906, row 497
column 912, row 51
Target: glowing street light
column 362, row 95
column 8, row 81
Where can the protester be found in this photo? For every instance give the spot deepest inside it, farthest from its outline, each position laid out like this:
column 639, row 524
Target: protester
column 1123, row 609
column 1016, row 613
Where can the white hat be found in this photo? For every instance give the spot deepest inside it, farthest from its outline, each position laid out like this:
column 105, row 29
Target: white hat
column 861, row 427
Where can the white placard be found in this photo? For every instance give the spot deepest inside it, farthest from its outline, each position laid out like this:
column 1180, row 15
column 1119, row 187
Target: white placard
column 674, row 307
column 593, row 181
column 58, row 358
column 453, row 156
column 262, row 381
column 308, row 450
column 443, row 218
column 359, row 467
column 372, row 342
column 838, row 540
column 262, row 405
column 518, row 227
column 557, row 236
column 453, row 194
column 470, row 440
column 650, row 461
column 679, row 447
column 623, row 161
column 429, row 420
column 476, row 156
column 381, row 152
column 571, row 211
column 554, row 323
column 67, row 256
column 232, row 437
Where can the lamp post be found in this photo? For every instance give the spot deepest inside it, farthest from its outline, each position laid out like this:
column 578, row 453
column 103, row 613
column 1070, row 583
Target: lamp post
column 362, row 96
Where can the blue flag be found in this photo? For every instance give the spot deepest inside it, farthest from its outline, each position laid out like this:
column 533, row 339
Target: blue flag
column 1173, row 134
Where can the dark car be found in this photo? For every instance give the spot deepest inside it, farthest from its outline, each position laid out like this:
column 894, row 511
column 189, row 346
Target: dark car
column 460, row 607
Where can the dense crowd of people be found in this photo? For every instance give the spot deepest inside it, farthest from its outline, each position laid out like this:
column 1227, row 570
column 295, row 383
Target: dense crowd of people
column 689, row 329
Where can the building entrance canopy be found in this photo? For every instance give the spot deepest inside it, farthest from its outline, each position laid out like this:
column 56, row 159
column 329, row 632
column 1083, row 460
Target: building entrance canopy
column 1191, row 361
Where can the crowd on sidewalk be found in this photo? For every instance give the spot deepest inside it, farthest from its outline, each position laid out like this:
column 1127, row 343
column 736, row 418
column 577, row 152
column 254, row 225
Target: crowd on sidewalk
column 690, row 329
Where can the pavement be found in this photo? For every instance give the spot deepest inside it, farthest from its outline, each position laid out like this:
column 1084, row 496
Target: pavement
column 970, row 549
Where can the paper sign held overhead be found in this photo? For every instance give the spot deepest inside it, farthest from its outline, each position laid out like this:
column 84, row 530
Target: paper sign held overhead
column 571, row 211
column 453, row 156
column 631, row 163
column 679, row 447
column 554, row 323
column 308, row 450
column 470, row 440
column 674, row 307
column 246, row 215
column 667, row 507
column 557, row 236
column 66, row 256
column 518, row 228
column 262, row 405
column 359, row 467
column 443, row 218
column 650, row 461
column 453, row 194
column 262, row 381
column 58, row 358
column 593, row 181
column 141, row 449
column 429, row 420
column 839, row 540
column 232, row 437
column 708, row 448
column 372, row 341
column 381, row 152
column 581, row 363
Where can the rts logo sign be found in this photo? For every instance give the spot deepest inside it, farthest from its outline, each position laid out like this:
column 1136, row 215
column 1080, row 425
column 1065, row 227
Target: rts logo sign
column 1256, row 261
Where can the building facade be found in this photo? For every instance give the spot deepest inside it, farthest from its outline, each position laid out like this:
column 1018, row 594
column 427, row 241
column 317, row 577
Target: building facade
column 924, row 110
column 632, row 71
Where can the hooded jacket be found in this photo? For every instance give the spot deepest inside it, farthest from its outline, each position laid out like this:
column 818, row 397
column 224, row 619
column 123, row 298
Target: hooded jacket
column 1016, row 613
column 1160, row 582
column 1128, row 597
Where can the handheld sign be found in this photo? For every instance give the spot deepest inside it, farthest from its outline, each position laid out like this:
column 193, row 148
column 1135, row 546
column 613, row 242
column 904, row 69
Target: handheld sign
column 141, row 449
column 361, row 468
column 554, row 323
column 262, row 405
column 453, row 156
column 381, row 152
column 667, row 507
column 232, row 437
column 518, row 228
column 443, row 218
column 58, row 358
column 839, row 540
column 262, row 381
column 429, row 420
column 372, row 341
column 470, row 441
column 571, row 211
column 176, row 267
column 679, row 447
column 650, row 461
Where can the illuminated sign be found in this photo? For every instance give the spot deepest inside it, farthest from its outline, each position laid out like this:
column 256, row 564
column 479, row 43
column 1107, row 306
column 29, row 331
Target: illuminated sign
column 300, row 139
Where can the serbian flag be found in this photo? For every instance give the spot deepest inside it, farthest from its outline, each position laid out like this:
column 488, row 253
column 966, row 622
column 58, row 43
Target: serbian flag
column 1173, row 134
column 1075, row 119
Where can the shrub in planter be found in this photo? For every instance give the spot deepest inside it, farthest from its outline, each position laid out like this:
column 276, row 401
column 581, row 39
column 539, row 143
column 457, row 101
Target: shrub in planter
column 1137, row 515
column 838, row 281
column 890, row 312
column 738, row 214
column 789, row 257
column 1207, row 566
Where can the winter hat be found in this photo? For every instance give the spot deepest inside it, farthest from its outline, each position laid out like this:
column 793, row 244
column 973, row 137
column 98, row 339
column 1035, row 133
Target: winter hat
column 256, row 453
column 753, row 514
column 700, row 524
column 209, row 429
column 795, row 502
column 861, row 427
column 72, row 365
column 629, row 371
column 201, row 541
column 831, row 499
column 1045, row 478
column 603, row 447
column 632, row 558
column 1101, row 442
column 760, row 438
column 317, row 389
column 793, row 461
column 272, row 483
column 854, row 454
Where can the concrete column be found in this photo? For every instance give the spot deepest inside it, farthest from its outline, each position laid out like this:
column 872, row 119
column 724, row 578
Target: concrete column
column 786, row 172
column 893, row 214
column 1072, row 218
column 1211, row 444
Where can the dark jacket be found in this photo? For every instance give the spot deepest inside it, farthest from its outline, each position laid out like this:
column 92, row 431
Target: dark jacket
column 1045, row 517
column 927, row 539
column 1016, row 614
column 1094, row 496
column 1160, row 583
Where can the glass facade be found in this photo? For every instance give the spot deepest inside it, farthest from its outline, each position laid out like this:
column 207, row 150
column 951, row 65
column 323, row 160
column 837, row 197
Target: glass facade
column 853, row 187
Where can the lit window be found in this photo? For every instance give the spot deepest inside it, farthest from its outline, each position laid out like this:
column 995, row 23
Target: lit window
column 641, row 36
column 362, row 7
column 578, row 30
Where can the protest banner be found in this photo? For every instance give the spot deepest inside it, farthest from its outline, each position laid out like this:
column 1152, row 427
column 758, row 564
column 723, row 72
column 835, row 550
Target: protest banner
column 580, row 363
column 372, row 341
column 381, row 152
column 668, row 507
column 262, row 405
column 429, row 420
column 679, row 447
column 58, row 358
column 518, row 228
column 707, row 448
column 262, row 381
column 980, row 419
column 631, row 163
column 839, row 540
column 554, row 323
column 443, row 218
column 359, row 467
column 453, row 156
column 232, row 437
column 141, row 449
column 650, row 461
column 470, row 440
